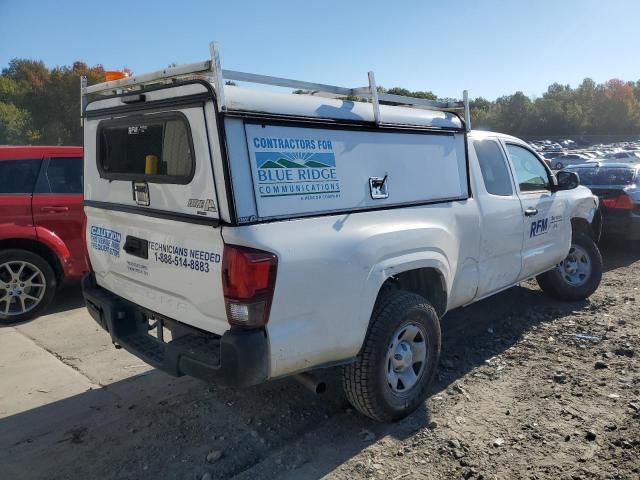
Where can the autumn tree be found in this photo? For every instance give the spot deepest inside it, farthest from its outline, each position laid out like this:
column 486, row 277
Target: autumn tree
column 42, row 105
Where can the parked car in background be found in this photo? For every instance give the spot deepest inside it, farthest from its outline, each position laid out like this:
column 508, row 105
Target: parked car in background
column 592, row 154
column 552, row 155
column 627, row 156
column 562, row 161
column 41, row 225
column 616, row 184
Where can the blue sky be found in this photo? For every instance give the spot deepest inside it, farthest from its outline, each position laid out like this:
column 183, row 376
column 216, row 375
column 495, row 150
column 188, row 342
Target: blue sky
column 489, row 47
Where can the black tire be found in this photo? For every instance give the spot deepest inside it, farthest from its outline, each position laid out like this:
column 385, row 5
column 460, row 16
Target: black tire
column 559, row 166
column 32, row 308
column 556, row 284
column 365, row 381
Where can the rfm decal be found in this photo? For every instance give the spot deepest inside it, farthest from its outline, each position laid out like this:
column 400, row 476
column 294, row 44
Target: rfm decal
column 539, row 227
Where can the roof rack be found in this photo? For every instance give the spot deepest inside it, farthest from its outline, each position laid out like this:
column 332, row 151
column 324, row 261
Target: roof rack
column 211, row 70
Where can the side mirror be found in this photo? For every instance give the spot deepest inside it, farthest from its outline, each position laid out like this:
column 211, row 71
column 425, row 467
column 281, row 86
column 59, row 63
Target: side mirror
column 567, row 180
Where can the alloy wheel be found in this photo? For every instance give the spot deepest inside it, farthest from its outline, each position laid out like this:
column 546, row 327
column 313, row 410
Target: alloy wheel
column 22, row 287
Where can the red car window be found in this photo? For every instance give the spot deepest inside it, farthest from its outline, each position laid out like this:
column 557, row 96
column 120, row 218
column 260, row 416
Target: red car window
column 18, row 176
column 63, row 176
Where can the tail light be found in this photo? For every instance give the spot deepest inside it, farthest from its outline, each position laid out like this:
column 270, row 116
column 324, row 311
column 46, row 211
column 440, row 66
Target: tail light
column 621, row 202
column 248, row 282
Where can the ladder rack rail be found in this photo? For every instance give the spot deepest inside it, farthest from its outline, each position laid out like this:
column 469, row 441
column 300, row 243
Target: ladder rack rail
column 212, row 71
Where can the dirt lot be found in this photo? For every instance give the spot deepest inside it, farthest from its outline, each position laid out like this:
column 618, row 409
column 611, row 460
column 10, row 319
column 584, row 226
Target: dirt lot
column 528, row 388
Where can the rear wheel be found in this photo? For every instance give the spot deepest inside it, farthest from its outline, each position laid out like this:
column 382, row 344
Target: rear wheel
column 390, row 378
column 27, row 285
column 559, row 165
column 578, row 275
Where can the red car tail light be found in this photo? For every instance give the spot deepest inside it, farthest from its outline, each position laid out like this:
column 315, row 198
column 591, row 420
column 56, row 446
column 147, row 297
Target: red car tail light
column 621, row 202
column 248, row 282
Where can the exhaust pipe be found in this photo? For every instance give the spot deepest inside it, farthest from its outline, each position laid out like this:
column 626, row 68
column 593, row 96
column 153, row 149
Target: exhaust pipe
column 311, row 382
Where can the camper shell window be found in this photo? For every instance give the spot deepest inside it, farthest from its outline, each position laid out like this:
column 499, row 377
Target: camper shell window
column 153, row 148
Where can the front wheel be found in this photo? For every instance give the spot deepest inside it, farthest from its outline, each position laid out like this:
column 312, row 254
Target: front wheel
column 578, row 275
column 390, row 378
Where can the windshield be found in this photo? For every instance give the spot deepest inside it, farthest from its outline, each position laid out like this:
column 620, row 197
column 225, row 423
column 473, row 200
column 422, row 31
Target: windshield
column 605, row 176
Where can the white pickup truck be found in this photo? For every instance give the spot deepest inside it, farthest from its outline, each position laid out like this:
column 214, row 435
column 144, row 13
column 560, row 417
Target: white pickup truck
column 238, row 235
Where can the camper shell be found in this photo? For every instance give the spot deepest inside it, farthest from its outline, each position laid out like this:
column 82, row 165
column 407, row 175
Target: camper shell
column 238, row 235
column 245, row 116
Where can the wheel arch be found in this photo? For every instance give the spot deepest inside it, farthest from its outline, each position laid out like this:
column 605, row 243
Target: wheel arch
column 38, row 248
column 424, row 273
column 428, row 282
column 586, row 217
column 592, row 229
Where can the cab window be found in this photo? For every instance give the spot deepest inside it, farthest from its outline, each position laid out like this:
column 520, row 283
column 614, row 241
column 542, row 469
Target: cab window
column 530, row 173
column 153, row 148
column 493, row 166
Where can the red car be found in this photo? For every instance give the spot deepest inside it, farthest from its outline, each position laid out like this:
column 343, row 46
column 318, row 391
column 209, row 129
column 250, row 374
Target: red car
column 41, row 227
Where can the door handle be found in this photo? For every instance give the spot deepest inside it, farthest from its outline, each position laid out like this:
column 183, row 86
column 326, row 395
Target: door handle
column 530, row 212
column 54, row 209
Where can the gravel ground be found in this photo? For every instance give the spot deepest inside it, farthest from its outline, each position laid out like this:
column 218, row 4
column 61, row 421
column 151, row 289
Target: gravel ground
column 527, row 388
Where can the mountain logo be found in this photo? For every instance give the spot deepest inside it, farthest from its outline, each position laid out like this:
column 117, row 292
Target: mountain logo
column 303, row 174
column 295, row 160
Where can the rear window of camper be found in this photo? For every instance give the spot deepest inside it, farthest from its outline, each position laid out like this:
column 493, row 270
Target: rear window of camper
column 156, row 149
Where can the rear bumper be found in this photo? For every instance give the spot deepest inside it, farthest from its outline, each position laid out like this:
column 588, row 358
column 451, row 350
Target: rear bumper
column 621, row 224
column 237, row 358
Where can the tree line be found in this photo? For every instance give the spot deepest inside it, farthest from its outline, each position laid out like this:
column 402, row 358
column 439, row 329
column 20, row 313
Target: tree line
column 39, row 105
column 609, row 108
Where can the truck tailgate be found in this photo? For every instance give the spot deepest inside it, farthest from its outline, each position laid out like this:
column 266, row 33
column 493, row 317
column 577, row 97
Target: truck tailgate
column 168, row 267
column 152, row 206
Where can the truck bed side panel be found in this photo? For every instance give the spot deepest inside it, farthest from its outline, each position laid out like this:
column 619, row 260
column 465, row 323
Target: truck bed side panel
column 330, row 269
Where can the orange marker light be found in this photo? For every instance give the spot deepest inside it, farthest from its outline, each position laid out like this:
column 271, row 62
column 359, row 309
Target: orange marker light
column 114, row 75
